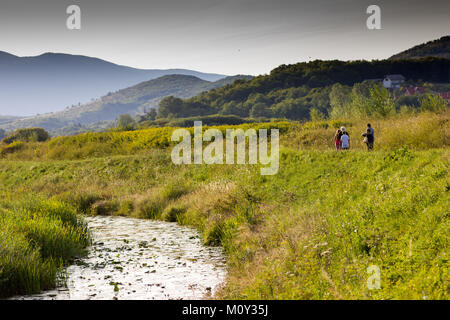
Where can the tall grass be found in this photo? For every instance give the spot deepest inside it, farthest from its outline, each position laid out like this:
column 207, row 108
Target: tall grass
column 37, row 237
column 423, row 131
column 91, row 144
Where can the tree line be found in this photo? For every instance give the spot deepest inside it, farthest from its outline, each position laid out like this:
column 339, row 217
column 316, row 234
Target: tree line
column 318, row 89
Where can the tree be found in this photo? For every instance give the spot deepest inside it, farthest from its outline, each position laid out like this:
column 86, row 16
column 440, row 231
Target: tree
column 27, row 135
column 260, row 110
column 2, row 134
column 370, row 99
column 255, row 99
column 293, row 109
column 193, row 108
column 170, row 106
column 340, row 101
column 434, row 103
column 151, row 115
column 380, row 102
column 316, row 115
column 360, row 98
column 234, row 108
column 413, row 101
column 125, row 122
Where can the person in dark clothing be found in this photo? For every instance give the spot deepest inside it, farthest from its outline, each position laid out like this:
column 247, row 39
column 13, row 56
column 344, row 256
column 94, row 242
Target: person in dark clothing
column 369, row 127
column 372, row 132
column 368, row 138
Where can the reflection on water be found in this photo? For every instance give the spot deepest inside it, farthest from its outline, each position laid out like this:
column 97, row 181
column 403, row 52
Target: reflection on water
column 142, row 259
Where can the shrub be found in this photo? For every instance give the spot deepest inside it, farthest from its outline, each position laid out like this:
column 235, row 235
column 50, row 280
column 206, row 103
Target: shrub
column 126, row 207
column 172, row 212
column 28, row 135
column 150, row 208
column 433, row 103
column 82, row 201
column 125, row 122
column 174, row 190
column 105, row 207
column 11, row 148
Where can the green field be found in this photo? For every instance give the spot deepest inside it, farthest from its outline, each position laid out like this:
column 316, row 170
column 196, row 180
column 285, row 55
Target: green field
column 308, row 232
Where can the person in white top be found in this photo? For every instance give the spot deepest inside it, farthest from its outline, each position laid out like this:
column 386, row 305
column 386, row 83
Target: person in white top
column 345, row 139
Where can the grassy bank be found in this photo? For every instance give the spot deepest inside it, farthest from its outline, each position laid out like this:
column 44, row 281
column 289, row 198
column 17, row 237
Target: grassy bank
column 308, row 232
column 37, row 238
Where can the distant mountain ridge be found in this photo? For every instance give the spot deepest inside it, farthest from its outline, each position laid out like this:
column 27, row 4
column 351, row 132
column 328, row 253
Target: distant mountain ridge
column 134, row 100
column 4, row 119
column 52, row 81
column 439, row 48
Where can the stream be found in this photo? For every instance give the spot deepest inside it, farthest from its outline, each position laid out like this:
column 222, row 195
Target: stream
column 141, row 259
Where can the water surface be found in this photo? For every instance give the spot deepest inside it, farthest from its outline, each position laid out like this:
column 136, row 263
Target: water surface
column 142, row 259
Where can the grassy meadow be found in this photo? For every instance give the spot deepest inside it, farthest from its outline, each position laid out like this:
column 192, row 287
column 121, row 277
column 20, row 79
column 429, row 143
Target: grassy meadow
column 308, row 232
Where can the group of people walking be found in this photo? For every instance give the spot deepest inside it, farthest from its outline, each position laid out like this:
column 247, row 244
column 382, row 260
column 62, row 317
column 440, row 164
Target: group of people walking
column 342, row 138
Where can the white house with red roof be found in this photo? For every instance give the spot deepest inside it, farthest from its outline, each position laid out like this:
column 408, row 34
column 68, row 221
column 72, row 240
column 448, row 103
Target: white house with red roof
column 410, row 91
column 393, row 81
column 446, row 96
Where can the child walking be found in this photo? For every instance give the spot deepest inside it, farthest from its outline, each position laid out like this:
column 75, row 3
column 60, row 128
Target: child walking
column 337, row 139
column 345, row 141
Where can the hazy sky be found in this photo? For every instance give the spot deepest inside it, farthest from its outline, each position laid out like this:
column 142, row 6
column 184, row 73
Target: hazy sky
column 221, row 36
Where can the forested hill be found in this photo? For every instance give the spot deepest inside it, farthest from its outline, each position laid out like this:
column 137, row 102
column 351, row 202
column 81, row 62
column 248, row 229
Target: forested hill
column 324, row 73
column 293, row 91
column 437, row 48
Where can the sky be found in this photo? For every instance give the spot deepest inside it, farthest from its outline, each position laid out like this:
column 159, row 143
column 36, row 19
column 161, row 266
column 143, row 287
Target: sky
column 220, row 36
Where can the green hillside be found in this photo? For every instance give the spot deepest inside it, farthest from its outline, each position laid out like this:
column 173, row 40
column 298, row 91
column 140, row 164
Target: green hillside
column 439, row 48
column 311, row 90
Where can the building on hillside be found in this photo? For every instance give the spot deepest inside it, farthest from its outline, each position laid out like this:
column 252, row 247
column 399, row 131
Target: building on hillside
column 446, row 96
column 410, row 91
column 393, row 81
